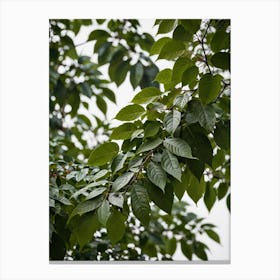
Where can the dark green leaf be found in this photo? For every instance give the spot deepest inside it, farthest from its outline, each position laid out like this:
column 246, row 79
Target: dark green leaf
column 136, row 74
column 116, row 199
column 172, row 121
column 140, row 204
column 101, row 104
column 196, row 167
column 181, row 34
column 109, row 94
column 121, row 72
column 179, row 67
column 170, row 246
column 222, row 134
column 228, row 202
column 209, row 87
column 130, row 112
column 178, row 147
column 189, row 75
column 199, row 250
column 222, row 190
column 191, row 25
column 166, row 26
column 103, row 154
column 213, row 235
column 86, row 89
column 103, row 212
column 186, row 249
column 181, row 101
column 118, row 162
column 170, row 164
column 180, row 187
column 221, row 60
column 195, row 189
column 171, row 50
column 122, row 181
column 149, row 145
column 220, row 41
column 156, row 175
column 115, row 226
column 209, row 196
column 96, row 192
column 98, row 35
column 151, row 129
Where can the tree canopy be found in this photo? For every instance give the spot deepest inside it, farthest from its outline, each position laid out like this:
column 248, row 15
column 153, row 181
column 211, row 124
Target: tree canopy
column 116, row 192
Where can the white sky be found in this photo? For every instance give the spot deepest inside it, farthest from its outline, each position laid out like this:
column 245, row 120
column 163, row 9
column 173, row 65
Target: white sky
column 124, row 93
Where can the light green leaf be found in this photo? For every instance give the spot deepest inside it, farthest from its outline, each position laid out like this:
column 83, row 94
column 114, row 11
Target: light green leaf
column 186, row 249
column 171, row 50
column 85, row 228
column 209, row 196
column 156, row 175
column 149, row 145
column 136, row 133
column 158, row 45
column 116, row 199
column 172, row 121
column 178, row 147
column 140, row 204
column 103, row 212
column 195, row 189
column 204, row 114
column 136, row 74
column 209, row 87
column 103, row 154
column 181, row 101
column 189, row 75
column 130, row 112
column 96, row 192
column 164, row 76
column 220, row 41
column 115, row 226
column 221, row 60
column 222, row 134
column 118, row 162
column 123, row 131
column 151, row 129
column 166, row 26
column 146, row 95
column 170, row 164
column 213, row 235
column 122, row 181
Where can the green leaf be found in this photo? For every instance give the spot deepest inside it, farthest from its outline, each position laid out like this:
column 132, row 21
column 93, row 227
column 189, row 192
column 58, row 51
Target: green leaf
column 116, row 199
column 172, row 121
column 151, row 129
column 96, row 192
column 121, row 72
column 136, row 133
column 189, row 75
column 200, row 144
column 222, row 190
column 228, row 202
column 181, row 34
column 199, row 250
column 164, row 200
column 220, row 41
column 213, row 235
column 116, row 60
column 209, row 196
column 170, row 164
column 86, row 206
column 186, row 249
column 178, row 147
column 209, row 87
column 103, row 154
column 136, row 74
column 158, row 45
column 85, row 228
column 164, row 76
column 101, row 104
column 149, row 145
column 103, row 212
column 123, row 131
column 100, row 174
column 156, row 175
column 181, row 101
column 86, row 89
column 170, row 246
column 140, row 204
column 122, row 181
column 196, row 167
column 109, row 94
column 166, row 26
column 100, row 35
column 104, row 52
column 118, row 162
column 179, row 67
column 115, row 226
column 130, row 112
column 204, row 114
column 146, row 95
column 172, row 50
column 195, row 189
column 180, row 187
column 221, row 60
column 218, row 159
column 191, row 25
column 222, row 134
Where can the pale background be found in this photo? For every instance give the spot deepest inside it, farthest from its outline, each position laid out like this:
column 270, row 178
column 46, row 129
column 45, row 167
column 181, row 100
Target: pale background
column 24, row 138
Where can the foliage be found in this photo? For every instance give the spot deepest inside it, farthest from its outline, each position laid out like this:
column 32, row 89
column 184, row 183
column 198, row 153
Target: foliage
column 123, row 202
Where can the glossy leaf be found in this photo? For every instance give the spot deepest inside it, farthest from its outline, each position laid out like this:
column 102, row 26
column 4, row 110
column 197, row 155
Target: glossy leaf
column 181, row 101
column 118, row 162
column 156, row 175
column 103, row 154
column 140, row 203
column 116, row 199
column 122, row 181
column 172, row 121
column 103, row 212
column 149, row 145
column 96, row 192
column 170, row 164
column 136, row 74
column 178, row 147
column 130, row 112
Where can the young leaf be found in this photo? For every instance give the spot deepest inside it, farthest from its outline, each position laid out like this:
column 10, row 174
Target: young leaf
column 136, row 74
column 209, row 196
column 156, row 175
column 115, row 226
column 171, row 165
column 122, row 181
column 209, row 87
column 178, row 147
column 140, row 204
column 85, row 228
column 130, row 113
column 186, row 249
column 146, row 95
column 149, row 145
column 172, row 121
column 123, row 131
column 103, row 212
column 103, row 154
